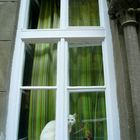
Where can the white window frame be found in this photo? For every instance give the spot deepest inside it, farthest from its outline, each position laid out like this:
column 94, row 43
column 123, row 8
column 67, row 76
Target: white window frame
column 97, row 34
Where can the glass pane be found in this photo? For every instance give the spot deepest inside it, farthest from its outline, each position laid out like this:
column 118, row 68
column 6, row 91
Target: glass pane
column 90, row 116
column 86, row 65
column 44, row 14
column 40, row 65
column 83, row 13
column 37, row 109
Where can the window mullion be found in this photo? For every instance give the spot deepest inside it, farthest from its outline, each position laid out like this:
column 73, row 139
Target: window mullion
column 60, row 101
column 101, row 12
column 64, row 14
column 66, row 94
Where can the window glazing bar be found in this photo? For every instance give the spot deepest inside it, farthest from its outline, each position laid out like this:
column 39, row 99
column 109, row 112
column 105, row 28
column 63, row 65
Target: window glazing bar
column 38, row 87
column 86, row 89
column 64, row 14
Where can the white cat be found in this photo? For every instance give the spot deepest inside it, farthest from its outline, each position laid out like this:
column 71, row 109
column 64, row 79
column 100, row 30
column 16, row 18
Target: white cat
column 48, row 132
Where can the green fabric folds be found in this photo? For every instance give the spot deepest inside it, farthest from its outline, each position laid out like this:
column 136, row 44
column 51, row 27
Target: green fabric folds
column 91, row 116
column 43, row 102
column 86, row 69
column 86, row 66
column 84, row 13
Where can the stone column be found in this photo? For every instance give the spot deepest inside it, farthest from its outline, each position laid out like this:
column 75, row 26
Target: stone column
column 128, row 22
column 130, row 54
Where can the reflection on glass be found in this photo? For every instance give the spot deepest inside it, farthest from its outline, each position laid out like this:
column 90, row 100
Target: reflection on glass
column 83, row 13
column 40, row 65
column 90, row 116
column 44, row 14
column 37, row 109
column 85, row 66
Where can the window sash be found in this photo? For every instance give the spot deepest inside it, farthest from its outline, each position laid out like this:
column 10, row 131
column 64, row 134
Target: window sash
column 63, row 89
column 64, row 4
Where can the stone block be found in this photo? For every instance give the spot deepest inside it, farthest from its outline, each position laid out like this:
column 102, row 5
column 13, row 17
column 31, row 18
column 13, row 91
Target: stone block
column 9, row 0
column 8, row 15
column 5, row 48
column 3, row 113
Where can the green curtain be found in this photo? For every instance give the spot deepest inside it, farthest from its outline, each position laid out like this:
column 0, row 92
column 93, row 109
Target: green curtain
column 84, row 13
column 88, row 59
column 86, row 69
column 42, row 102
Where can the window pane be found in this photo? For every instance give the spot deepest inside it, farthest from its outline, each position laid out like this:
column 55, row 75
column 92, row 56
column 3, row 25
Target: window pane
column 83, row 13
column 86, row 66
column 37, row 109
column 40, row 65
column 90, row 116
column 44, row 14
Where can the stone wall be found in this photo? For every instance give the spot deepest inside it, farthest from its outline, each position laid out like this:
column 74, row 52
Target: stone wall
column 8, row 22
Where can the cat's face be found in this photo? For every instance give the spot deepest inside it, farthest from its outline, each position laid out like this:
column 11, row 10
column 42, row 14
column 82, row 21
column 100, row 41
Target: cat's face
column 71, row 119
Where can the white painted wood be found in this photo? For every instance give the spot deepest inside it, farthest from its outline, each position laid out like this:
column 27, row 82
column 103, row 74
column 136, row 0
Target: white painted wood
column 101, row 14
column 86, row 89
column 65, row 94
column 64, row 14
column 87, row 44
column 107, row 92
column 110, row 81
column 60, row 91
column 14, row 95
column 38, row 36
column 23, row 14
column 38, row 87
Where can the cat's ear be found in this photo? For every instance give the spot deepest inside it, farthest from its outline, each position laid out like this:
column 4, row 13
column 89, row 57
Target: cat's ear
column 74, row 114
